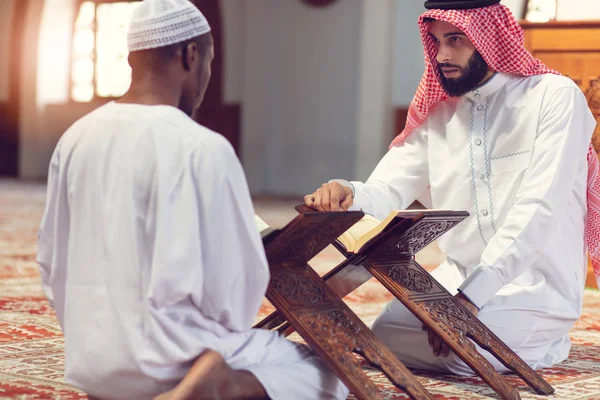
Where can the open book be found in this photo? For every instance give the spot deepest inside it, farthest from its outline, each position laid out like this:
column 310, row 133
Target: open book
column 361, row 233
column 366, row 229
column 262, row 227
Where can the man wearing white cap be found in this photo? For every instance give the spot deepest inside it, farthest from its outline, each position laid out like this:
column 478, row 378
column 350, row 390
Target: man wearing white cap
column 148, row 249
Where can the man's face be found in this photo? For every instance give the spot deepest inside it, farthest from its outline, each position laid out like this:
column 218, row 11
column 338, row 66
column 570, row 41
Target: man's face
column 460, row 65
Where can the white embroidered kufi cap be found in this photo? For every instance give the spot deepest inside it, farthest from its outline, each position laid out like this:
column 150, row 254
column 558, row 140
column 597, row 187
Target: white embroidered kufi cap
column 159, row 23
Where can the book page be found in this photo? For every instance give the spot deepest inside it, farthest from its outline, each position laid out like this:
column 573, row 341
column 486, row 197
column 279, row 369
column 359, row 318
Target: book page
column 260, row 224
column 369, row 227
column 356, row 231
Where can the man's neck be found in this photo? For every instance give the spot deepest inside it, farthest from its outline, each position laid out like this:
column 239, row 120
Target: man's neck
column 487, row 77
column 152, row 90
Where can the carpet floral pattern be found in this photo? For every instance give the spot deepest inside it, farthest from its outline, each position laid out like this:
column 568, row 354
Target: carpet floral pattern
column 32, row 347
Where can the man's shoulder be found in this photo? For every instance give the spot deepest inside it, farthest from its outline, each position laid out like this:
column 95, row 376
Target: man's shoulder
column 163, row 125
column 546, row 82
column 169, row 124
column 80, row 125
column 198, row 136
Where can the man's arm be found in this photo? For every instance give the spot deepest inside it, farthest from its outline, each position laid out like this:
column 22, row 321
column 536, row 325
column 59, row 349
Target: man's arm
column 46, row 231
column 564, row 134
column 235, row 269
column 206, row 250
column 400, row 177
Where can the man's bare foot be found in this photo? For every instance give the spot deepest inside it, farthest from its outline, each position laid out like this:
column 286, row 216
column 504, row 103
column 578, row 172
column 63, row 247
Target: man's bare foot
column 210, row 378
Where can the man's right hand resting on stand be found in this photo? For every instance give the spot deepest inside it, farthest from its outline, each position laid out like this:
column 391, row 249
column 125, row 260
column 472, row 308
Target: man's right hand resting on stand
column 331, row 196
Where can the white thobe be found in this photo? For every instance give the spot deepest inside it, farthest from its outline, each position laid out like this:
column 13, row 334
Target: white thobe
column 513, row 154
column 149, row 254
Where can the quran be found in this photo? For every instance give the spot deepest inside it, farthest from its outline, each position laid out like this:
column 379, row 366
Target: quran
column 262, row 227
column 369, row 227
column 366, row 229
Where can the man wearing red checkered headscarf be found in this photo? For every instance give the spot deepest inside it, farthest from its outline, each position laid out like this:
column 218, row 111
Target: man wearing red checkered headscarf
column 493, row 131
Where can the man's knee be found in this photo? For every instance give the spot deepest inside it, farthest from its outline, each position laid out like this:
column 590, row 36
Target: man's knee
column 395, row 317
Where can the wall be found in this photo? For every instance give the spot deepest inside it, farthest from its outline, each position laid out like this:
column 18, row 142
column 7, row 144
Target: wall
column 6, row 15
column 374, row 112
column 315, row 93
column 314, row 85
column 44, row 80
column 45, row 120
column 232, row 13
column 517, row 7
column 35, row 148
column 577, row 10
column 54, row 49
column 299, row 94
column 408, row 62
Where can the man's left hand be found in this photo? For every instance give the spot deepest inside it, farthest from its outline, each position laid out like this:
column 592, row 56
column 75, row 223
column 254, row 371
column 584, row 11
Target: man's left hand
column 436, row 343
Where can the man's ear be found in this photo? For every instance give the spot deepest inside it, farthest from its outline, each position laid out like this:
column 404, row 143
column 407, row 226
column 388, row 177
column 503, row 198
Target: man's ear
column 189, row 55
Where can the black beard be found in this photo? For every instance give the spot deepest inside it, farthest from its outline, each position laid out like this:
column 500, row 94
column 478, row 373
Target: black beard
column 471, row 76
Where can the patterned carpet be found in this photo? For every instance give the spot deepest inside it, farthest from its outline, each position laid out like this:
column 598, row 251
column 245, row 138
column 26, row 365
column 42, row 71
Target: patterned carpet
column 31, row 343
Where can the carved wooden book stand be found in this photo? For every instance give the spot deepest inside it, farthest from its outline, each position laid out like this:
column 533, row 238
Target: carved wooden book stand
column 318, row 314
column 390, row 258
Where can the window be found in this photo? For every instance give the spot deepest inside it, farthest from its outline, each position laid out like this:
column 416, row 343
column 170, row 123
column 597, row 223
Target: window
column 99, row 56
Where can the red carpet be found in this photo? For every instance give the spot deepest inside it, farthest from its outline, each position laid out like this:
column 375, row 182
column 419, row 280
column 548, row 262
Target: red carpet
column 31, row 343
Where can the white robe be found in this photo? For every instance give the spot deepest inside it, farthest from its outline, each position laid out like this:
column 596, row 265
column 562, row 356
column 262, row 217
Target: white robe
column 513, row 154
column 149, row 254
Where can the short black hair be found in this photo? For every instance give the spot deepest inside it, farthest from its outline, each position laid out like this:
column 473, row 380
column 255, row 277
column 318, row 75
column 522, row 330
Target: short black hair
column 156, row 58
column 428, row 19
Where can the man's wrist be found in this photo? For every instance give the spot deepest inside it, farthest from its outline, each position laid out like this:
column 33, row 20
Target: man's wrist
column 481, row 285
column 346, row 183
column 464, row 296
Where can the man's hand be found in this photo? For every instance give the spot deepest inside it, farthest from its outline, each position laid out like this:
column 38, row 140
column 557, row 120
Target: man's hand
column 436, row 343
column 330, row 197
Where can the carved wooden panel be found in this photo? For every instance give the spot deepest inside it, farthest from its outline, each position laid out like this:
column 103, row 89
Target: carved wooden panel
column 355, row 337
column 415, row 280
column 438, row 309
column 308, row 234
column 298, row 286
column 422, row 295
column 316, row 322
column 323, row 320
column 411, row 278
column 402, row 242
column 335, row 332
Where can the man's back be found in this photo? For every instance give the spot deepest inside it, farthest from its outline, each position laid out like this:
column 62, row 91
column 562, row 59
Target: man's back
column 142, row 203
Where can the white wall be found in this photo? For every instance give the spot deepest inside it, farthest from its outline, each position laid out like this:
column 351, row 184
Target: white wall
column 408, row 62
column 315, row 91
column 299, row 94
column 577, row 10
column 233, row 26
column 517, row 7
column 6, row 17
column 375, row 110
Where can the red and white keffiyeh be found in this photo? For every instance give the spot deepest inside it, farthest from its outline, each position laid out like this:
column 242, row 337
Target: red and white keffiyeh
column 499, row 39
